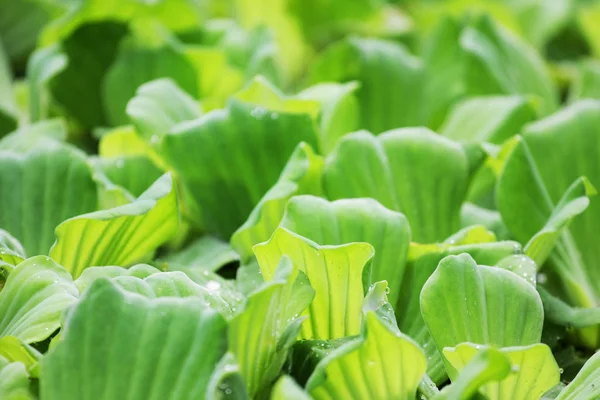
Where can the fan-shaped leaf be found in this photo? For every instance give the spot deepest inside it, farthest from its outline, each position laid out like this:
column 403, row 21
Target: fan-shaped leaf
column 338, row 275
column 117, row 344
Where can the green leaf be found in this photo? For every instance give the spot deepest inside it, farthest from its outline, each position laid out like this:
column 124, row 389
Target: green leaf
column 301, row 175
column 490, row 119
column 339, row 111
column 12, row 349
column 586, row 384
column 533, row 370
column 390, row 79
column 492, row 56
column 90, row 51
column 487, row 365
column 412, row 170
column 287, row 389
column 14, row 381
column 207, row 253
column 382, row 364
column 158, row 106
column 574, row 202
column 261, row 349
column 119, row 236
column 11, row 251
column 121, row 345
column 34, row 297
column 423, row 261
column 8, row 110
column 355, row 220
column 226, row 186
column 474, row 296
column 41, row 188
column 560, row 313
column 586, row 83
column 89, row 275
column 226, row 381
column 536, row 188
column 43, row 65
column 136, row 64
column 338, row 275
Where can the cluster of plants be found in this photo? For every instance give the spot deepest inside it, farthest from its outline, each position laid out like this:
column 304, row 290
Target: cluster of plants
column 299, row 199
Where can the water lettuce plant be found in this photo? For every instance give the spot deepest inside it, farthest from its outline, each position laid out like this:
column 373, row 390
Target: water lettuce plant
column 299, row 199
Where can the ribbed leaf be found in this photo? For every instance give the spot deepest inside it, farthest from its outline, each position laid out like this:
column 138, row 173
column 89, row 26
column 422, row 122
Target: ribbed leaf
column 261, row 349
column 160, row 105
column 412, row 170
column 490, row 119
column 355, row 220
column 8, row 118
column 34, row 297
column 117, row 344
column 11, row 251
column 137, row 64
column 487, row 365
column 382, row 364
column 533, row 370
column 14, row 381
column 538, row 172
column 207, row 253
column 482, row 305
column 390, row 79
column 301, row 175
column 226, row 185
column 41, row 188
column 586, row 384
column 423, row 261
column 119, row 236
column 338, row 275
column 287, row 389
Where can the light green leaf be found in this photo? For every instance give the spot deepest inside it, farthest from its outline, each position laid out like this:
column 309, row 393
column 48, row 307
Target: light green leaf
column 207, row 253
column 538, row 172
column 92, row 274
column 41, row 188
column 226, row 381
column 382, row 364
column 490, row 119
column 227, row 185
column 533, row 370
column 158, row 106
column 261, row 349
column 355, row 220
column 474, row 298
column 287, row 389
column 423, row 261
column 560, row 313
column 574, row 202
column 390, row 79
column 119, row 236
column 493, row 54
column 301, row 175
column 34, row 297
column 586, row 384
column 117, row 344
column 586, row 83
column 12, row 349
column 11, row 251
column 339, row 110
column 411, row 170
column 487, row 365
column 338, row 274
column 14, row 381
column 43, row 65
column 136, row 64
column 8, row 109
